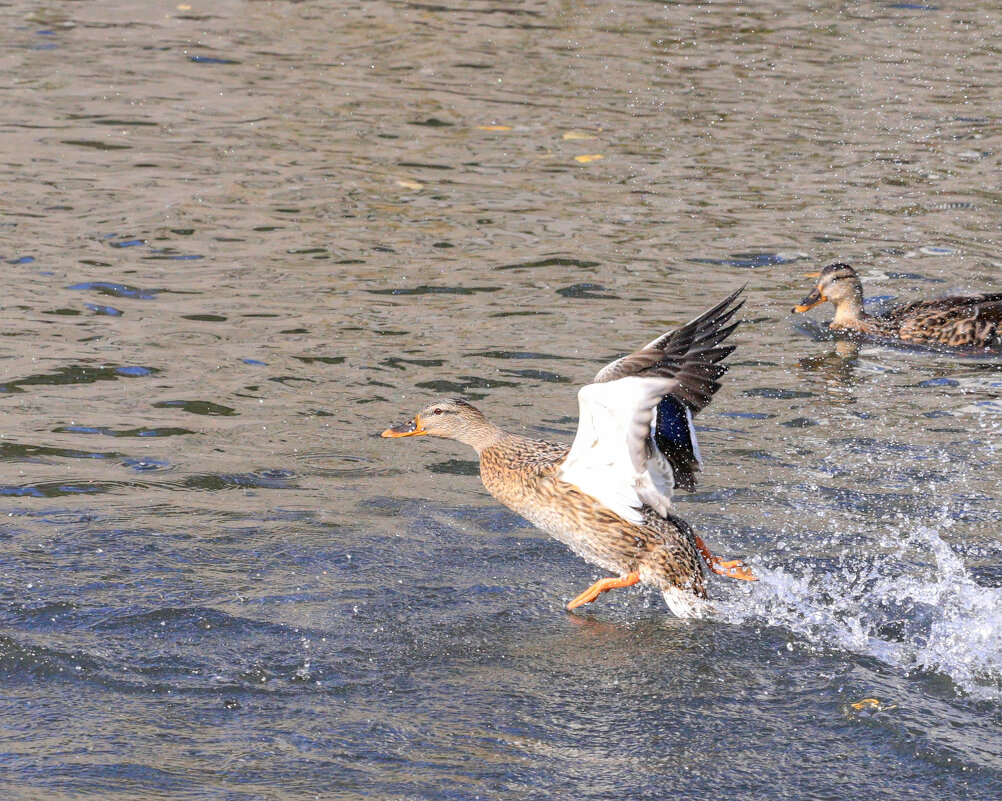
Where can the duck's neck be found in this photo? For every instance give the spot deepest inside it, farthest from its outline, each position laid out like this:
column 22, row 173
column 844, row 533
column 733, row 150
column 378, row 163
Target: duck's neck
column 849, row 311
column 481, row 435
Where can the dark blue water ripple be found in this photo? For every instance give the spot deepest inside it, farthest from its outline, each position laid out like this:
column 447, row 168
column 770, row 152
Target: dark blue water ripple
column 116, row 290
column 76, row 374
column 127, row 432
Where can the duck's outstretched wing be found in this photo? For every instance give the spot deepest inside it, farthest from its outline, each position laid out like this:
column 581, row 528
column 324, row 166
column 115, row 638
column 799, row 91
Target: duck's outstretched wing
column 635, row 441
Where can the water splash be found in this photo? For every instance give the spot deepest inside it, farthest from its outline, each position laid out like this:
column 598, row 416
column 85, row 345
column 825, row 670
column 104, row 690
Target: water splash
column 909, row 602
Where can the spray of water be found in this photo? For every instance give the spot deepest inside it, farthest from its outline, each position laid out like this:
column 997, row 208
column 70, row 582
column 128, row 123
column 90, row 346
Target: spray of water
column 913, row 605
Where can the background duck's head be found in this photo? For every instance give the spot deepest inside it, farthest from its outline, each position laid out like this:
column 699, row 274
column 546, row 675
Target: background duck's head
column 450, row 418
column 838, row 284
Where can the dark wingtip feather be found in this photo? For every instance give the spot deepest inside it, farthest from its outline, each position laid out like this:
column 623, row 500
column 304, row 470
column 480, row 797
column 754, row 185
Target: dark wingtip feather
column 691, row 355
column 689, row 350
column 696, row 341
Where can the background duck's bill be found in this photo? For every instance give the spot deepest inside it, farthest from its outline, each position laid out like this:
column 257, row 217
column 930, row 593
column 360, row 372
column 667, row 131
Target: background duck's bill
column 409, row 429
column 812, row 300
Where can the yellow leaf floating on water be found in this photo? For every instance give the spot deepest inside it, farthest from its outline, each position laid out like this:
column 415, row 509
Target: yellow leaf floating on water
column 588, row 158
column 410, row 185
column 493, row 127
column 572, row 135
column 872, row 703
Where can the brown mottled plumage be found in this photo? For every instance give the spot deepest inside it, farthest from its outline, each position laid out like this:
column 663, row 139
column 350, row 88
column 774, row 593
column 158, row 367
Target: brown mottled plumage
column 635, row 442
column 973, row 321
column 522, row 474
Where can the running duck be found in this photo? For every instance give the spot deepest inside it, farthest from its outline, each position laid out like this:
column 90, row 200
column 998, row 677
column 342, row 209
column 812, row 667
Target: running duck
column 608, row 495
column 969, row 321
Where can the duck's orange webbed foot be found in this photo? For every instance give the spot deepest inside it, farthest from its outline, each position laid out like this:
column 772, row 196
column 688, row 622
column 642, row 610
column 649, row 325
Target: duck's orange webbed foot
column 603, row 585
column 733, row 568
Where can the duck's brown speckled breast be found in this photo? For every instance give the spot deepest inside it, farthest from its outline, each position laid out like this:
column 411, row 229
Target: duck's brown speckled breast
column 521, row 473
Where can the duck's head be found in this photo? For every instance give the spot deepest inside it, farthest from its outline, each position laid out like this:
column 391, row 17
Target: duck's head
column 838, row 284
column 451, row 419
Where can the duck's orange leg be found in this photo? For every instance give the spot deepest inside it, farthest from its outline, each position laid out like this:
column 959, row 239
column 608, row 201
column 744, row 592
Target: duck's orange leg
column 734, row 568
column 603, row 585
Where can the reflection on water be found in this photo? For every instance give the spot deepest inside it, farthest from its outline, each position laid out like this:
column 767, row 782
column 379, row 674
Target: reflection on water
column 837, row 369
column 242, row 239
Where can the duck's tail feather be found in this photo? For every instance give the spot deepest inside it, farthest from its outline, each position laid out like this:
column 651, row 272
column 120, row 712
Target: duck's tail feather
column 684, row 604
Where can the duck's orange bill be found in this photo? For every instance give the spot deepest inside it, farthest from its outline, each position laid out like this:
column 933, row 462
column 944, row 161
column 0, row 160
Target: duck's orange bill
column 812, row 300
column 411, row 429
column 603, row 585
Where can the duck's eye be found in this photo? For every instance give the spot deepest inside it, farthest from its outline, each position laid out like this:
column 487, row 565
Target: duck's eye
column 437, row 411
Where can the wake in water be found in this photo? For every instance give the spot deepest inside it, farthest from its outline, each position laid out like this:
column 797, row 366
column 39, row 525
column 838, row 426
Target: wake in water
column 913, row 606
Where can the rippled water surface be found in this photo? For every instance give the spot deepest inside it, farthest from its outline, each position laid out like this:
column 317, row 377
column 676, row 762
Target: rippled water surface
column 241, row 238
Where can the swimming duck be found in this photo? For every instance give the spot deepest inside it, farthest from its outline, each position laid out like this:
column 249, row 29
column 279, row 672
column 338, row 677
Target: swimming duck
column 608, row 495
column 966, row 321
